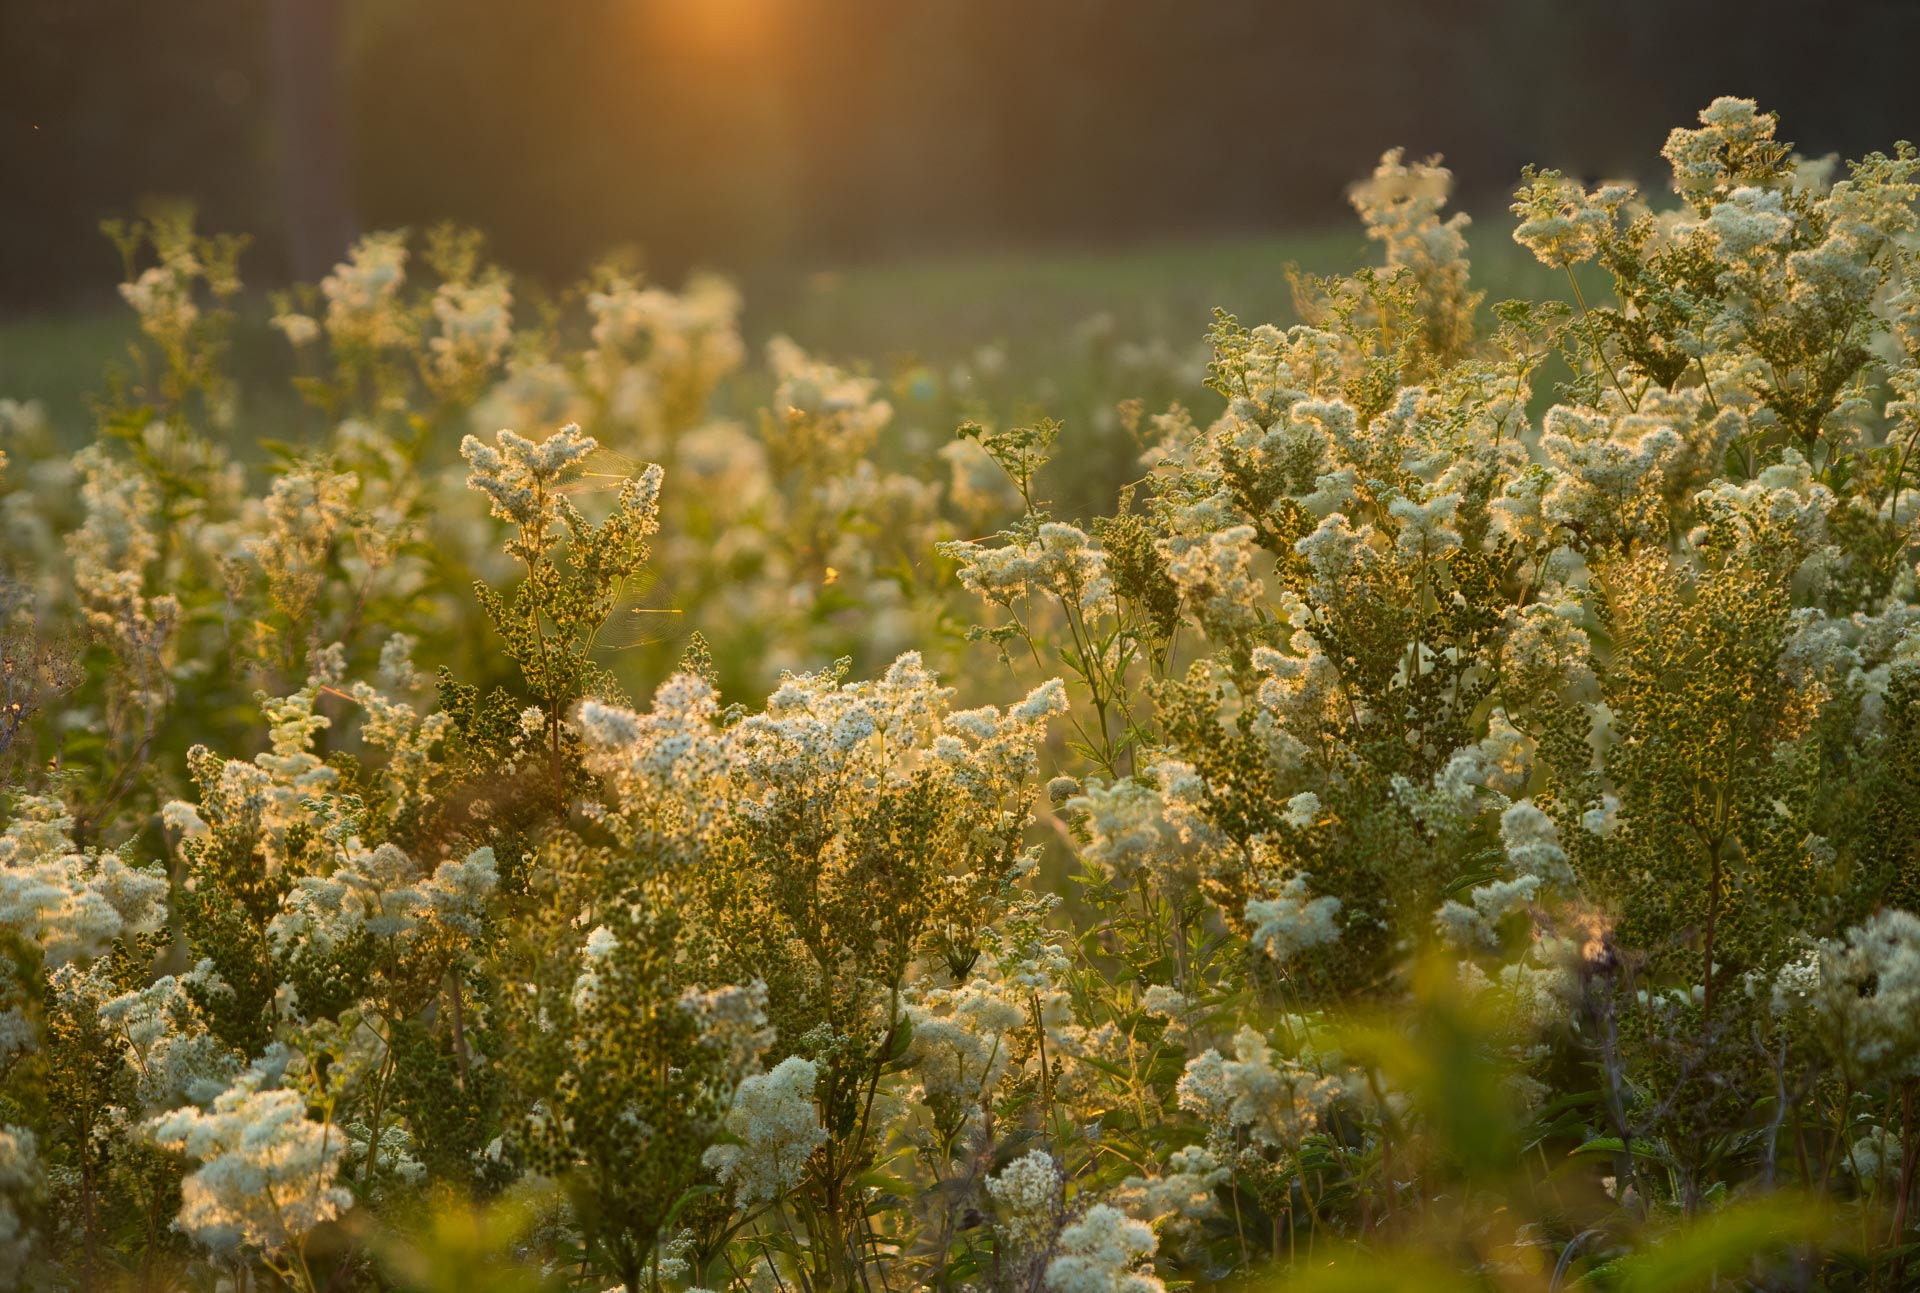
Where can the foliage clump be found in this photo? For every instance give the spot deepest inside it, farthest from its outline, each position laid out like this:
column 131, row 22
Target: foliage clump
column 1456, row 815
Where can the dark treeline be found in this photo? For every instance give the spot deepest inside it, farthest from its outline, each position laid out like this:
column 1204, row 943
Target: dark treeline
column 740, row 131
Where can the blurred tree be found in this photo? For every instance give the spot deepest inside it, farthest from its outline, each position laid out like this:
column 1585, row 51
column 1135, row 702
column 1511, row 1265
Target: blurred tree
column 315, row 210
column 104, row 103
column 741, row 130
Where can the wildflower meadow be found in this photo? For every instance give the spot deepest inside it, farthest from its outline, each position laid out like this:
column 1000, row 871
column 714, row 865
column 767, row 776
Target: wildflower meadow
column 516, row 789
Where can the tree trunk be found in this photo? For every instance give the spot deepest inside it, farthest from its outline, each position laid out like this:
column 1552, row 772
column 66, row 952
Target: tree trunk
column 316, row 212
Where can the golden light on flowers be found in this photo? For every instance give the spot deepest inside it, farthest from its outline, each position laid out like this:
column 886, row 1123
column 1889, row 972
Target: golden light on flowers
column 1614, row 705
column 1594, row 929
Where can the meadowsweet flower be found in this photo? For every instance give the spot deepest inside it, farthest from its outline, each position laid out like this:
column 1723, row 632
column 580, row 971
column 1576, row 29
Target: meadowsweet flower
column 733, row 1022
column 1423, row 526
column 1214, row 573
column 363, row 294
column 1164, row 1001
column 773, row 1115
column 303, row 515
column 457, row 892
column 162, row 295
column 1291, row 923
column 70, row 904
column 266, row 1171
column 1863, row 993
column 1334, row 548
column 1277, row 1099
column 960, row 1048
column 475, row 322
column 1784, row 503
column 658, row 355
column 1732, row 140
column 1183, row 1195
column 1532, row 843
column 1475, row 923
column 1875, row 1159
column 300, row 330
column 1560, row 222
column 1546, row 651
column 1400, row 206
column 1480, row 641
column 1028, row 1191
column 1061, row 561
column 517, row 473
column 821, row 413
column 409, row 740
column 392, row 1152
column 166, row 1044
column 1098, row 1254
column 1541, row 990
column 1608, row 473
column 1749, row 221
column 594, row 953
column 1157, row 828
column 110, row 553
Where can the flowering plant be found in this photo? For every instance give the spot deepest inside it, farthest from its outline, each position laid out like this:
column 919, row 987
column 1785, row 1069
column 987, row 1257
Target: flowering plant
column 1454, row 815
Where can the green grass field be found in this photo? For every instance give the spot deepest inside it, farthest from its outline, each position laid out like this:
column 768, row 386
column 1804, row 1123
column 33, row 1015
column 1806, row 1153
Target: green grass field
column 1035, row 306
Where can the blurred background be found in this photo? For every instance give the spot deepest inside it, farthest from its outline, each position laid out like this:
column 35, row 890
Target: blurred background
column 759, row 135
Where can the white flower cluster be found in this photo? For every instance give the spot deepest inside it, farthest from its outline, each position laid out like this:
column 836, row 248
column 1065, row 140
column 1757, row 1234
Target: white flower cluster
column 1215, row 575
column 1783, row 506
column 676, row 773
column 1731, row 132
column 1424, row 532
column 1497, row 763
column 475, row 327
column 1155, row 824
column 165, row 1043
column 1861, row 993
column 960, row 1049
column 111, row 552
column 1099, row 1253
column 1060, row 561
column 595, row 953
column 1183, row 1195
column 1560, row 221
column 1607, row 471
column 267, row 1170
column 382, row 894
column 364, row 311
column 67, row 903
column 162, row 295
column 658, row 355
column 1276, row 1099
column 1535, row 991
column 1400, row 206
column 1292, row 922
column 1875, row 1159
column 777, row 1127
column 1028, row 1191
column 733, row 1021
column 518, row 476
column 1298, row 699
column 821, row 410
column 392, row 1153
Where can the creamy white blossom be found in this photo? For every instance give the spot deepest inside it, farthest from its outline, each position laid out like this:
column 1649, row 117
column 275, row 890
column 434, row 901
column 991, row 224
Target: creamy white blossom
column 778, row 1128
